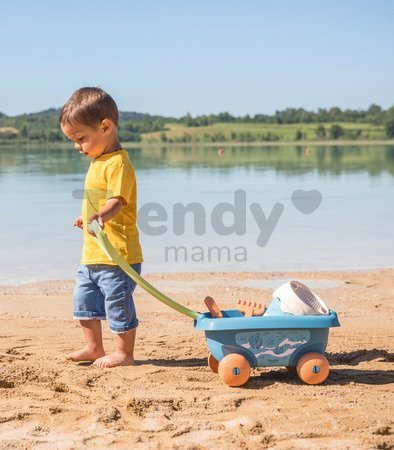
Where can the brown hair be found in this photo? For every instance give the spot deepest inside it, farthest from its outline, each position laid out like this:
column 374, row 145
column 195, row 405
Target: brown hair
column 89, row 106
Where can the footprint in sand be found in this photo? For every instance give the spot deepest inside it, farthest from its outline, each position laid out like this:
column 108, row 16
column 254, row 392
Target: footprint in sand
column 4, row 384
column 39, row 431
column 143, row 407
column 108, row 414
column 60, row 387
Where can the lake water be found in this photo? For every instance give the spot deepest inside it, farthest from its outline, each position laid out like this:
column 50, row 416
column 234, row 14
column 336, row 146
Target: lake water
column 319, row 208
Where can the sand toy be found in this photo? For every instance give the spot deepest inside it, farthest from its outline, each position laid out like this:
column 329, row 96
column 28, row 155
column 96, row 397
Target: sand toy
column 299, row 300
column 213, row 308
column 238, row 343
column 249, row 308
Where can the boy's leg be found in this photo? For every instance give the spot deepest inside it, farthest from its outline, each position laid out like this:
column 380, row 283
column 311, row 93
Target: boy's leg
column 121, row 314
column 89, row 309
column 94, row 342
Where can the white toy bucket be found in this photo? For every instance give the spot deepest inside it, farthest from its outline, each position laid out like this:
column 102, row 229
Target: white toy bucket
column 299, row 300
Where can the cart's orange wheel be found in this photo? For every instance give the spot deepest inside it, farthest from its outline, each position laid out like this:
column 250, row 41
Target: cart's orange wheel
column 313, row 368
column 213, row 363
column 234, row 369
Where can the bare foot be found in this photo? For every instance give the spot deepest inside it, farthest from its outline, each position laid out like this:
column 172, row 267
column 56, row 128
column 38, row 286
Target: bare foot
column 86, row 354
column 117, row 358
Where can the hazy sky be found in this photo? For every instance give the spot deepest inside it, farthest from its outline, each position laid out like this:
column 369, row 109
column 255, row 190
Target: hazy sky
column 172, row 57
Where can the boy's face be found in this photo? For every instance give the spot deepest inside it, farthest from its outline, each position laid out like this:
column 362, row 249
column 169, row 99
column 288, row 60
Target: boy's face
column 89, row 141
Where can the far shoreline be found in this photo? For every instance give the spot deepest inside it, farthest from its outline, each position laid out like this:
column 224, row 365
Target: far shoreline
column 196, row 273
column 144, row 144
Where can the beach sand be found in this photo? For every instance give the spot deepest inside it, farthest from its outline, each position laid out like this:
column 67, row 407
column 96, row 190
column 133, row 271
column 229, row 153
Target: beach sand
column 171, row 399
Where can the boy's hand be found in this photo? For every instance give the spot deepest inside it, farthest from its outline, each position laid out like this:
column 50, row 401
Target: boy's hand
column 78, row 222
column 99, row 219
column 112, row 206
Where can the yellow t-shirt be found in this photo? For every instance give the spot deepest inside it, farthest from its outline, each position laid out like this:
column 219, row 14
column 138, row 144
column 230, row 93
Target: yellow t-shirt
column 112, row 175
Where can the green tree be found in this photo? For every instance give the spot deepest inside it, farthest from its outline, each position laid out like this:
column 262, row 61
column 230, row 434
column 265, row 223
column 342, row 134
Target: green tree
column 129, row 136
column 336, row 131
column 188, row 120
column 321, row 131
column 225, row 117
column 25, row 131
column 389, row 128
column 299, row 135
column 374, row 109
column 54, row 135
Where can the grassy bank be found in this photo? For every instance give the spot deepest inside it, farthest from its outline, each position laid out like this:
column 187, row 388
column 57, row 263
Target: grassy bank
column 252, row 132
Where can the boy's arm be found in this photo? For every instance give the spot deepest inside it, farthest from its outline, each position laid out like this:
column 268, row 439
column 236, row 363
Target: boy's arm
column 112, row 206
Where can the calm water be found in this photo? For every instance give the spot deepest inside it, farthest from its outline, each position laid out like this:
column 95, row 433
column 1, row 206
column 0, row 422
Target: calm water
column 352, row 228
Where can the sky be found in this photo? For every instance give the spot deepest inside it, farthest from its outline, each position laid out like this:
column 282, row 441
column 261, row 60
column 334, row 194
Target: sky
column 207, row 56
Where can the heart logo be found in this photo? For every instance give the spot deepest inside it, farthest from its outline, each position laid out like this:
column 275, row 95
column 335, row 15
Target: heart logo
column 306, row 202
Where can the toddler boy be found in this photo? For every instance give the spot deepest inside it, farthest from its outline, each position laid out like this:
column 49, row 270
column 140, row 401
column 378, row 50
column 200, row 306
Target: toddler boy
column 103, row 291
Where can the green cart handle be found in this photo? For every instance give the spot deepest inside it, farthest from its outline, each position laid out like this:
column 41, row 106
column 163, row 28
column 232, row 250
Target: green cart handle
column 114, row 256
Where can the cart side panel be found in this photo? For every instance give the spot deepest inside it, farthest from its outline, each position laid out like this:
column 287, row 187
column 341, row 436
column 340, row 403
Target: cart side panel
column 262, row 348
column 317, row 343
column 222, row 343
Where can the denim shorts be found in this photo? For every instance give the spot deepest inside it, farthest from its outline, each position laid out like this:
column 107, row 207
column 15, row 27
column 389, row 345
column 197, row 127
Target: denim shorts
column 104, row 292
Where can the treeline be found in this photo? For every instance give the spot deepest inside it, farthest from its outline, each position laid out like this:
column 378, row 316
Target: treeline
column 43, row 126
column 373, row 115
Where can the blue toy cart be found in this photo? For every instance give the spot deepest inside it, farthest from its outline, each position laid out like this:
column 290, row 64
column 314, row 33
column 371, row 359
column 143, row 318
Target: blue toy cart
column 237, row 343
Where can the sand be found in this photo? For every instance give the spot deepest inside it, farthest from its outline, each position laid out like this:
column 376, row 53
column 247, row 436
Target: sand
column 172, row 399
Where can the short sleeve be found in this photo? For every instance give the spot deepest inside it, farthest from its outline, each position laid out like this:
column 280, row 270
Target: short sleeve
column 120, row 182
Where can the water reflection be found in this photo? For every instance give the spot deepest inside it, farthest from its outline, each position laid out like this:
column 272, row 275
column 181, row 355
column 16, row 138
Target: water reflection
column 332, row 160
